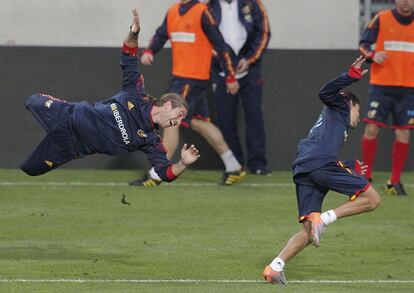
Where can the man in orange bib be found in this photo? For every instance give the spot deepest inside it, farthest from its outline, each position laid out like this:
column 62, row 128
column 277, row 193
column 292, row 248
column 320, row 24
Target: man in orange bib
column 193, row 33
column 391, row 86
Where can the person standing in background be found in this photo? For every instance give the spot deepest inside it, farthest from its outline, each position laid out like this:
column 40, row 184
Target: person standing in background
column 245, row 27
column 193, row 33
column 391, row 88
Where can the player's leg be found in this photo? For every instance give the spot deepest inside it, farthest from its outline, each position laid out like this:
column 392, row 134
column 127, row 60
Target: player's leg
column 171, row 138
column 367, row 201
column 56, row 149
column 251, row 96
column 226, row 107
column 309, row 199
column 342, row 179
column 47, row 109
column 378, row 108
column 403, row 114
column 201, row 123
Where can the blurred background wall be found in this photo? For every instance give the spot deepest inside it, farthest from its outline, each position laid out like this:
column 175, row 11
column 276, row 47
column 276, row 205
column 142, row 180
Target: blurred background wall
column 70, row 49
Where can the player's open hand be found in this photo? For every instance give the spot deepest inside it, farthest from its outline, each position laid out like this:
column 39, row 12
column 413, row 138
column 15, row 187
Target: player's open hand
column 380, row 57
column 232, row 87
column 147, row 58
column 357, row 65
column 242, row 66
column 189, row 155
column 135, row 26
column 361, row 167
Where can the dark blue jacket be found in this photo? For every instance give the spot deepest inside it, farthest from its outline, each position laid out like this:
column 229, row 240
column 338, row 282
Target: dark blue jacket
column 330, row 131
column 122, row 123
column 253, row 16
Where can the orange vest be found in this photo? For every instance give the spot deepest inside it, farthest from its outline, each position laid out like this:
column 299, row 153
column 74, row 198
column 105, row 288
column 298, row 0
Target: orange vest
column 191, row 49
column 398, row 41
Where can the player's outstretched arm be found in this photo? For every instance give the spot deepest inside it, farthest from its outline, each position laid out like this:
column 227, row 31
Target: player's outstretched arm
column 328, row 93
column 188, row 156
column 131, row 39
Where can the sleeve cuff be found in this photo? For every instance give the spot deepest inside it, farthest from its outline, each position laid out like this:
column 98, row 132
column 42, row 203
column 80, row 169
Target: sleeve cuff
column 148, row 51
column 128, row 50
column 170, row 175
column 355, row 72
column 231, row 79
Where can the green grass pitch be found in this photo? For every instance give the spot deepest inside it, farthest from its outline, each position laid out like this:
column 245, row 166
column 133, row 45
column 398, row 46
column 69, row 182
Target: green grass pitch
column 69, row 232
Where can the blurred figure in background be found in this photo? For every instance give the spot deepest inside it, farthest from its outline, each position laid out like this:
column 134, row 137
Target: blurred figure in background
column 193, row 33
column 245, row 27
column 391, row 90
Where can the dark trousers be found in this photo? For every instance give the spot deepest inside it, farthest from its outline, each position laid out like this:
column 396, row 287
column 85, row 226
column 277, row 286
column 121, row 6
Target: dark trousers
column 58, row 146
column 250, row 95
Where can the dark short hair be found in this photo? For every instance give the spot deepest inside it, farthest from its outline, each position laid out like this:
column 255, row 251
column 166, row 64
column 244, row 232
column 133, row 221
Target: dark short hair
column 352, row 97
column 175, row 99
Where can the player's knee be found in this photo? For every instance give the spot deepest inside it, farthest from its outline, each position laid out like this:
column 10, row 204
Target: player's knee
column 197, row 124
column 371, row 131
column 374, row 199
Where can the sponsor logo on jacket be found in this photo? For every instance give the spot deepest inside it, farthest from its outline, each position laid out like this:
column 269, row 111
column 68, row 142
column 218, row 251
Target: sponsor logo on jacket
column 120, row 123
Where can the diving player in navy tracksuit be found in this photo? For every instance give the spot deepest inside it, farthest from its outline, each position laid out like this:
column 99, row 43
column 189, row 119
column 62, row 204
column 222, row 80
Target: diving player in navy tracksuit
column 317, row 170
column 123, row 123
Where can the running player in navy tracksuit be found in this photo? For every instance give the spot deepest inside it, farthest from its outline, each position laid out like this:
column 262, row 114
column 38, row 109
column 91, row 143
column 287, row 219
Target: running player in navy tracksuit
column 123, row 123
column 318, row 170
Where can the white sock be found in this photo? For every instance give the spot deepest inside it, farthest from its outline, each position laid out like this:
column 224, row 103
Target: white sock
column 277, row 264
column 230, row 161
column 153, row 174
column 328, row 217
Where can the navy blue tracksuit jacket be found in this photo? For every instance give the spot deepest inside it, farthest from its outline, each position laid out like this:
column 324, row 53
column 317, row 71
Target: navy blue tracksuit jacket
column 117, row 125
column 330, row 131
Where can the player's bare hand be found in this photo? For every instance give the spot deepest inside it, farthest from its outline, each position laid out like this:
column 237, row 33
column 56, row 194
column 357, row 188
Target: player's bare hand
column 135, row 26
column 233, row 87
column 147, row 58
column 358, row 65
column 189, row 155
column 242, row 66
column 363, row 167
column 380, row 57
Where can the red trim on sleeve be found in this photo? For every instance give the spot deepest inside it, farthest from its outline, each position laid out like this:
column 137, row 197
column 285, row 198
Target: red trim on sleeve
column 148, row 51
column 231, row 79
column 355, row 72
column 128, row 50
column 169, row 173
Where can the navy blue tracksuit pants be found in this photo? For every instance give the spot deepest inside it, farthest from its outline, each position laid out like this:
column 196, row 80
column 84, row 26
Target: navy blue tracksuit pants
column 250, row 95
column 59, row 146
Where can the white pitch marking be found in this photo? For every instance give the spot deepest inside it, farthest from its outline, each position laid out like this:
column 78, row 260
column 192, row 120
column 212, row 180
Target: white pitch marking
column 114, row 184
column 109, row 184
column 197, row 281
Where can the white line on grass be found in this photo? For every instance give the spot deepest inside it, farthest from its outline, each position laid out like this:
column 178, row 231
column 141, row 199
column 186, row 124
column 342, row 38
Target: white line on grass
column 196, row 281
column 109, row 184
column 113, row 184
